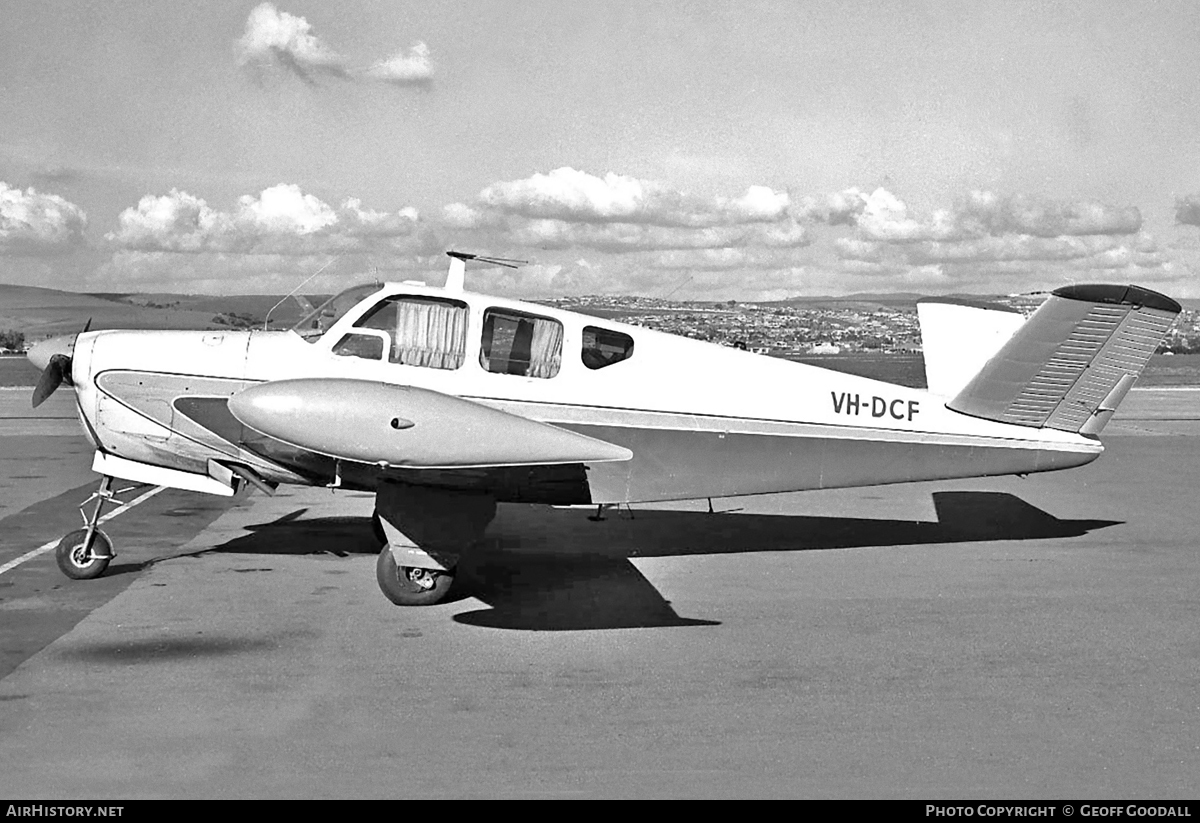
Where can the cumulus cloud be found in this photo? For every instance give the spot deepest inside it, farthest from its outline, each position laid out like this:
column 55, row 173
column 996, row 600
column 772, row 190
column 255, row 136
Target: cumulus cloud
column 633, row 237
column 883, row 216
column 840, row 209
column 764, row 234
column 992, row 214
column 412, row 68
column 34, row 223
column 985, row 236
column 571, row 195
column 279, row 220
column 276, row 40
column 567, row 208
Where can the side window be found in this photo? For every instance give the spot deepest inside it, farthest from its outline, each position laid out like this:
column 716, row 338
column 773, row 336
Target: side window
column 367, row 346
column 420, row 331
column 524, row 344
column 602, row 347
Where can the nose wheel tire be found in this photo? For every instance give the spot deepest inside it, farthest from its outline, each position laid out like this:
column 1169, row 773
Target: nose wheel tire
column 80, row 561
column 410, row 586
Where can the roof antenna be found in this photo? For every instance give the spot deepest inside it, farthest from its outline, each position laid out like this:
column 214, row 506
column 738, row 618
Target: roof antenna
column 685, row 281
column 267, row 319
column 458, row 267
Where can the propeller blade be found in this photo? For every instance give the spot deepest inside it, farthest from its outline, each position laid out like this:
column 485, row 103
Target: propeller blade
column 57, row 371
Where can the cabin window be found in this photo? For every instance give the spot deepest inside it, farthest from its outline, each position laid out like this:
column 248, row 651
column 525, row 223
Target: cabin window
column 602, row 347
column 523, row 344
column 367, row 346
column 318, row 321
column 422, row 331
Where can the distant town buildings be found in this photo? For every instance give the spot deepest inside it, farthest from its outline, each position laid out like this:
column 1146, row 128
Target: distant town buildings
column 777, row 329
column 825, row 326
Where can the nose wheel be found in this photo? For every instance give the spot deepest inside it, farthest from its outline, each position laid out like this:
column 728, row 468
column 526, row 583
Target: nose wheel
column 84, row 554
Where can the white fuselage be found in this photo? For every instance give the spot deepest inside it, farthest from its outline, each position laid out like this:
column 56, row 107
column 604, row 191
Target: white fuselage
column 702, row 420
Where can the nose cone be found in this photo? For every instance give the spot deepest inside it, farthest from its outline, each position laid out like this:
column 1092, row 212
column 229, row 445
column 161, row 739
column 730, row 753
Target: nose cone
column 40, row 354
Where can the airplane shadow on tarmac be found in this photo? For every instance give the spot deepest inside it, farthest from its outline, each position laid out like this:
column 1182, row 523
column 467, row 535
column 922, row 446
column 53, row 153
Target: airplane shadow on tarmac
column 547, row 569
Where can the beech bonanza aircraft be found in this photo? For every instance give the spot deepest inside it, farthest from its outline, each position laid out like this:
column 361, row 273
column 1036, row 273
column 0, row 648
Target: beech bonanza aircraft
column 443, row 402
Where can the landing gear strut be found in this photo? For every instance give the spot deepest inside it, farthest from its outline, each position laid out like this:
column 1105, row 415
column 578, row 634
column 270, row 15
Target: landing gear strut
column 84, row 553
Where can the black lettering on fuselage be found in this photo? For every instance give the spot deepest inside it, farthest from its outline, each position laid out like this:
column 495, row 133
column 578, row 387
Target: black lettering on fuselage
column 854, row 404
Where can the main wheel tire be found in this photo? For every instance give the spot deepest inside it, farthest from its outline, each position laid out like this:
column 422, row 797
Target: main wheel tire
column 403, row 585
column 76, row 561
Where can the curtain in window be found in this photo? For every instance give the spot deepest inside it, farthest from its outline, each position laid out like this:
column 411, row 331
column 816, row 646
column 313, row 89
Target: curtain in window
column 430, row 334
column 545, row 352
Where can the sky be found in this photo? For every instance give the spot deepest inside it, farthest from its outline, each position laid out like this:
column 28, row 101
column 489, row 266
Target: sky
column 700, row 150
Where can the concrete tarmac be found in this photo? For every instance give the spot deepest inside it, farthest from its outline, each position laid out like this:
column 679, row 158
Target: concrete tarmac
column 999, row 638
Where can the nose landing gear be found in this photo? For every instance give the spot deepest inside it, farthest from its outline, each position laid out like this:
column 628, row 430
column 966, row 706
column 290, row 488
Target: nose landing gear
column 84, row 554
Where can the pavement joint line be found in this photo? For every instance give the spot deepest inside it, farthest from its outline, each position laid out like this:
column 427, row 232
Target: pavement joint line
column 40, row 550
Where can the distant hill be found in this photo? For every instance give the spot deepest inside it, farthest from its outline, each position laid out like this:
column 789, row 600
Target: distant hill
column 899, row 300
column 238, row 309
column 41, row 313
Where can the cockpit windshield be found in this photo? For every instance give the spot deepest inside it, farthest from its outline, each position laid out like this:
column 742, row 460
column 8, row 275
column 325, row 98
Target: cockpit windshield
column 320, row 319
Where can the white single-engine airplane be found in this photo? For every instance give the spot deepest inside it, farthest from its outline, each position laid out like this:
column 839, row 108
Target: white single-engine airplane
column 443, row 402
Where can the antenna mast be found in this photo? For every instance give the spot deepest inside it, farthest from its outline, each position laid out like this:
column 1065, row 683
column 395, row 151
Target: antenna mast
column 267, row 319
column 458, row 267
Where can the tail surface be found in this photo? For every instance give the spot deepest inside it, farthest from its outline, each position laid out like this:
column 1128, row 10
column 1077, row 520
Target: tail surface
column 958, row 337
column 1073, row 361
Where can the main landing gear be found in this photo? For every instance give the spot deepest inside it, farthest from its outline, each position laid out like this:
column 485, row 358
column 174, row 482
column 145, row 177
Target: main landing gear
column 411, row 585
column 424, row 532
column 85, row 553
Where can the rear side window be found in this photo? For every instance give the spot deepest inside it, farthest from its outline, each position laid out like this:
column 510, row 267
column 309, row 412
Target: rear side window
column 602, row 347
column 522, row 344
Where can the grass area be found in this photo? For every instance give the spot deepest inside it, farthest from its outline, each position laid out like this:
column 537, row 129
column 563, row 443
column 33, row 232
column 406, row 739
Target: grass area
column 17, row 371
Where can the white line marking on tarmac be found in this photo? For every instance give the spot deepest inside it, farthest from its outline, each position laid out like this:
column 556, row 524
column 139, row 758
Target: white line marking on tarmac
column 40, row 550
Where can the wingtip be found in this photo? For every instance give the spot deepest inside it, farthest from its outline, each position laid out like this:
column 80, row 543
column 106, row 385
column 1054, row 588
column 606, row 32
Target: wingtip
column 1123, row 295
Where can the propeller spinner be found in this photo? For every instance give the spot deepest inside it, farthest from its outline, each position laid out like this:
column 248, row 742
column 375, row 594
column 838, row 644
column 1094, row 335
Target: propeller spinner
column 53, row 357
column 57, row 372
